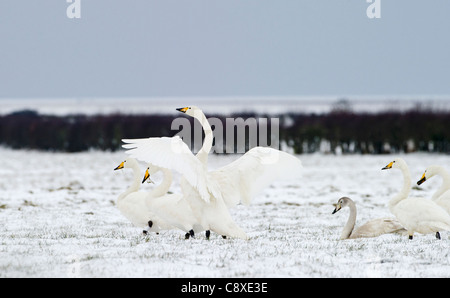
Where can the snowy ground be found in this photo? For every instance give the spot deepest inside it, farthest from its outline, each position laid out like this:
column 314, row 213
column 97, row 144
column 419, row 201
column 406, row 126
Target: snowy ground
column 59, row 219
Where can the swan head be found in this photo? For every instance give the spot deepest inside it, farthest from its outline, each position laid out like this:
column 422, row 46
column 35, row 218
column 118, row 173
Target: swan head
column 127, row 163
column 192, row 111
column 148, row 173
column 342, row 202
column 429, row 172
column 396, row 163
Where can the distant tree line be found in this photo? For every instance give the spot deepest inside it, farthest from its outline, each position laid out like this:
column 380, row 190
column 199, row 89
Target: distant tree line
column 340, row 131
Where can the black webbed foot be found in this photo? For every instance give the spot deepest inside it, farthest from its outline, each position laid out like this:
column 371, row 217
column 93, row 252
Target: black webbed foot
column 207, row 234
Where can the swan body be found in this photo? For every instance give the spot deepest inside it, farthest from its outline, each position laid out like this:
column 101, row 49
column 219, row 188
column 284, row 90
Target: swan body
column 372, row 228
column 172, row 208
column 416, row 214
column 132, row 203
column 211, row 193
column 442, row 195
column 444, row 201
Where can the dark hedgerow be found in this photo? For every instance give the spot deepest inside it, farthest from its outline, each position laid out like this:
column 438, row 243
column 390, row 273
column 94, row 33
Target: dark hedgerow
column 348, row 132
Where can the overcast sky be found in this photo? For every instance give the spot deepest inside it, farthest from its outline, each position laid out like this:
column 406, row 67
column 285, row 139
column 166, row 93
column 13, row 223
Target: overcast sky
column 152, row 48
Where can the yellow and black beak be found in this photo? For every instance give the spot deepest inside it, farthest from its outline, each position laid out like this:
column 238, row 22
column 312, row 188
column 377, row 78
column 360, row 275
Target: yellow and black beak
column 183, row 110
column 147, row 177
column 121, row 166
column 337, row 207
column 422, row 180
column 389, row 166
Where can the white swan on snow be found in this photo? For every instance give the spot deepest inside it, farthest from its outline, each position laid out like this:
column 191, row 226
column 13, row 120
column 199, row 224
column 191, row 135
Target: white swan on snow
column 172, row 208
column 442, row 195
column 416, row 214
column 132, row 203
column 211, row 193
column 372, row 228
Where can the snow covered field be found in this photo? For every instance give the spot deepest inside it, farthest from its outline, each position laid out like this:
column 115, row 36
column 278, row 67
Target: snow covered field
column 59, row 219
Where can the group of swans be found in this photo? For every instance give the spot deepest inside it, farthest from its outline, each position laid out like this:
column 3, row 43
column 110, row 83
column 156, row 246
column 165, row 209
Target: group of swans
column 412, row 214
column 206, row 196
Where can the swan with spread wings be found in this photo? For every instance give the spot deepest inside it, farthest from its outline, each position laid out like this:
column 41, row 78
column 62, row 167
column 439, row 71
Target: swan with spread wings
column 211, row 193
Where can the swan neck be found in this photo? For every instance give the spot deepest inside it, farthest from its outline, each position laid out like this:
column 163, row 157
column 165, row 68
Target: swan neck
column 350, row 225
column 202, row 155
column 135, row 185
column 446, row 176
column 164, row 186
column 445, row 183
column 404, row 193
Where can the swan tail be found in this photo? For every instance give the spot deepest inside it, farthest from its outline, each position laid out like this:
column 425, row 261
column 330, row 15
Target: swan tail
column 231, row 230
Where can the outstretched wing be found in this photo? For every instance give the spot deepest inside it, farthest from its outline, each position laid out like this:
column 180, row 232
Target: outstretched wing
column 243, row 179
column 171, row 153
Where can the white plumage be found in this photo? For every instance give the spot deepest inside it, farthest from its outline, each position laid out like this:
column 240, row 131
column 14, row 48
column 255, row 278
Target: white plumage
column 211, row 193
column 416, row 214
column 133, row 203
column 172, row 208
column 442, row 195
column 372, row 228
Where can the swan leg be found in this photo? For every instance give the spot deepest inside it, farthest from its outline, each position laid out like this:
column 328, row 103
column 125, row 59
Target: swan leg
column 410, row 237
column 191, row 233
column 438, row 235
column 150, row 224
column 224, row 237
column 207, row 234
column 145, row 231
column 187, row 235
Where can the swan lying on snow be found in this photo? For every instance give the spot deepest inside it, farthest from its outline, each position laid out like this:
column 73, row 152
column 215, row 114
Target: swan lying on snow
column 372, row 228
column 211, row 193
column 416, row 214
column 132, row 203
column 442, row 195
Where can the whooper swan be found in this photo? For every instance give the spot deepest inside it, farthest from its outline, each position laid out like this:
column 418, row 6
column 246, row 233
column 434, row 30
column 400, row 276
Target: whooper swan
column 416, row 214
column 132, row 203
column 442, row 195
column 372, row 228
column 172, row 208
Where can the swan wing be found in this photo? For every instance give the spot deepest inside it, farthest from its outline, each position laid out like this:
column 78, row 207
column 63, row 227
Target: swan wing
column 377, row 227
column 243, row 179
column 171, row 153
